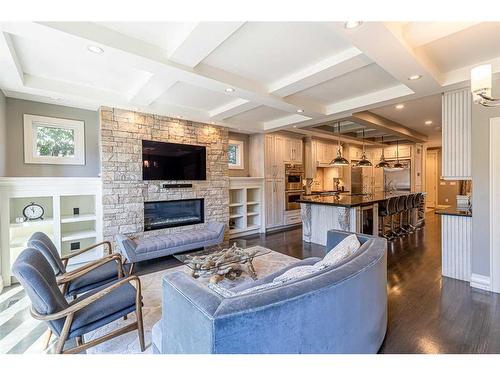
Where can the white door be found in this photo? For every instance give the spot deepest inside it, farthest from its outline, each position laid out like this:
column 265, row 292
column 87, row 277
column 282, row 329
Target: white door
column 431, row 178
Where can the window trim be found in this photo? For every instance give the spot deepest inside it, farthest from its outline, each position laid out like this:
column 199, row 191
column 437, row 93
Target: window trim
column 239, row 155
column 30, row 125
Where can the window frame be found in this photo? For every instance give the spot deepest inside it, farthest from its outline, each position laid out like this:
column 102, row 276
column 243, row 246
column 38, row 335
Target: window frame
column 239, row 155
column 32, row 122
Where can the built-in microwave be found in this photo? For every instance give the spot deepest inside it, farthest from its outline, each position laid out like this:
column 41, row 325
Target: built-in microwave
column 294, row 173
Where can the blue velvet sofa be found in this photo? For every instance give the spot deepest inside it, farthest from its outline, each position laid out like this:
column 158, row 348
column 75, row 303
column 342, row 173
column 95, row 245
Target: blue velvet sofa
column 167, row 244
column 342, row 309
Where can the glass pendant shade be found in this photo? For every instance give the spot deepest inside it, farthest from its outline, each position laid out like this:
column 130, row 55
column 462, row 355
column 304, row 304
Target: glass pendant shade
column 383, row 163
column 364, row 162
column 339, row 161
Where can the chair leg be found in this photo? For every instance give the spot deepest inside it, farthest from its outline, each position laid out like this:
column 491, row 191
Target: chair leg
column 48, row 336
column 131, row 269
column 64, row 334
column 138, row 314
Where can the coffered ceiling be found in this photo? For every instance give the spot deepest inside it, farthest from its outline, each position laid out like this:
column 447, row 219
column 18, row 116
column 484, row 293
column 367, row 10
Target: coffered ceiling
column 252, row 76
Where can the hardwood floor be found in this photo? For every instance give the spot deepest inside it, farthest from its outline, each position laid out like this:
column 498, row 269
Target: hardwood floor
column 427, row 313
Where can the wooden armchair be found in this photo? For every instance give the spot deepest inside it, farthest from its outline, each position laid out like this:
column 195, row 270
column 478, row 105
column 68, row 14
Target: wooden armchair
column 87, row 313
column 84, row 278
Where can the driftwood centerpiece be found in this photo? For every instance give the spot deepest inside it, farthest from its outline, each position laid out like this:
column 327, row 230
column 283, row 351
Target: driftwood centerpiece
column 226, row 263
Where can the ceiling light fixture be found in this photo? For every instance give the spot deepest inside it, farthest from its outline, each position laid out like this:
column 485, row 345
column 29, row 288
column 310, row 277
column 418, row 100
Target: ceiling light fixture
column 230, row 89
column 300, row 111
column 339, row 161
column 398, row 164
column 428, row 122
column 414, row 77
column 295, row 126
column 480, row 86
column 352, row 24
column 364, row 162
column 399, row 106
column 383, row 163
column 95, row 49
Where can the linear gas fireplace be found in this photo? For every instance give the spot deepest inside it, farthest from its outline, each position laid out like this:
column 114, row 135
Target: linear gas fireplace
column 167, row 214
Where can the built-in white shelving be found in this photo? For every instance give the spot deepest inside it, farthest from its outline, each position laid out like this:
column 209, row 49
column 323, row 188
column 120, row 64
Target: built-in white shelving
column 72, row 216
column 245, row 206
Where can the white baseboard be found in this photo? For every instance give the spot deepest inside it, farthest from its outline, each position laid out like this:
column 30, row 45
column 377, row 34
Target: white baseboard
column 1, row 283
column 480, row 282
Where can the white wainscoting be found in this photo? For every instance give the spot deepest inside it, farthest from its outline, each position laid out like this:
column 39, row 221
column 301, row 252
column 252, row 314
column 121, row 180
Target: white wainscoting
column 457, row 132
column 456, row 244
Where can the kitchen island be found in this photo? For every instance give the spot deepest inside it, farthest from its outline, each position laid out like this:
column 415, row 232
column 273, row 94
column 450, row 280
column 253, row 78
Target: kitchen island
column 349, row 212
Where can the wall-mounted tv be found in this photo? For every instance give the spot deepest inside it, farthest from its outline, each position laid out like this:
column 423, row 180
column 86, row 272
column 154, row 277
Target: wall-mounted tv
column 173, row 161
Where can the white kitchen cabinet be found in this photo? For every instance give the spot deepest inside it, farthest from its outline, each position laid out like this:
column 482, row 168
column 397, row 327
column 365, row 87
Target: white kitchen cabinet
column 324, row 152
column 355, row 152
column 275, row 202
column 392, row 152
column 293, row 150
column 274, row 151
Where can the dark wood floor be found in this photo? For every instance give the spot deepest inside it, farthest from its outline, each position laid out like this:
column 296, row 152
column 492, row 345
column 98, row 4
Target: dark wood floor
column 427, row 313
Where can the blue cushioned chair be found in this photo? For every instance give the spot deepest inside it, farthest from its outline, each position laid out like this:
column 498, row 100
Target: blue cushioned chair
column 76, row 282
column 88, row 312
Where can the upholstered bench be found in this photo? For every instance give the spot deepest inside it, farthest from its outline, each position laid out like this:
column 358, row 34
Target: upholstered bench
column 136, row 250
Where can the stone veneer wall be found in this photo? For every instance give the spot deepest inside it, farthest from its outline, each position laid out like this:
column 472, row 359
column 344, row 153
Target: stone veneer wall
column 124, row 191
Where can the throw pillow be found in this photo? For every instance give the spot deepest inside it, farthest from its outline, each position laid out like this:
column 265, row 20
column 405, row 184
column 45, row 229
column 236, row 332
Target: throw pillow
column 344, row 249
column 295, row 273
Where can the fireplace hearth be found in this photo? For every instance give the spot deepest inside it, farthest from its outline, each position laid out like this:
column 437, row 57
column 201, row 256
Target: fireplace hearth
column 174, row 213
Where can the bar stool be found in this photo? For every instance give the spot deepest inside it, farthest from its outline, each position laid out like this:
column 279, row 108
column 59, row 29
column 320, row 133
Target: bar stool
column 419, row 200
column 400, row 208
column 383, row 212
column 409, row 206
column 392, row 211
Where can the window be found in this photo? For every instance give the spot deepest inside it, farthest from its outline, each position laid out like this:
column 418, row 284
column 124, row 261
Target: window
column 50, row 140
column 235, row 155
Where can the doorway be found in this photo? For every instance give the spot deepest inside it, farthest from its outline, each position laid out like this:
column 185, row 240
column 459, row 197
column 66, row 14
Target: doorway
column 431, row 178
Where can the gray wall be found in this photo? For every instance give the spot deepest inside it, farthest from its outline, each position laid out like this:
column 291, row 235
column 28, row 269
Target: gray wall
column 244, row 138
column 3, row 135
column 16, row 167
column 481, row 185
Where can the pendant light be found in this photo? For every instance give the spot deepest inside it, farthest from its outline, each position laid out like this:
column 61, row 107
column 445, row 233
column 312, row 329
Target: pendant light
column 383, row 163
column 364, row 162
column 398, row 165
column 339, row 161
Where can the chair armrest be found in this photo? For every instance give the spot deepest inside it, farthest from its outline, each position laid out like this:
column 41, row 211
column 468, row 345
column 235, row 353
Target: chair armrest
column 68, row 257
column 69, row 276
column 87, row 301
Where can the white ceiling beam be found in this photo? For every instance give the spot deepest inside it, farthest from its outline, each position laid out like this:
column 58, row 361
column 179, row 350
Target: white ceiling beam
column 385, row 44
column 377, row 97
column 232, row 109
column 421, row 33
column 284, row 121
column 12, row 74
column 201, row 41
column 155, row 87
column 334, row 66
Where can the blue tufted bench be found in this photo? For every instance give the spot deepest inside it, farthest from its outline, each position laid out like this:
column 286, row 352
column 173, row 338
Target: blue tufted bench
column 167, row 244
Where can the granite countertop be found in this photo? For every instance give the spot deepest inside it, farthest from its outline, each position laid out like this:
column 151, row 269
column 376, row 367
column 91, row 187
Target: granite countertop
column 347, row 200
column 455, row 211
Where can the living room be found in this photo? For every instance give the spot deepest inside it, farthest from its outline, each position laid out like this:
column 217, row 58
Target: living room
column 248, row 187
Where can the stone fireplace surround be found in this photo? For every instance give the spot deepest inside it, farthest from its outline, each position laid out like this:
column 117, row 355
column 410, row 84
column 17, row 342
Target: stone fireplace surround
column 124, row 191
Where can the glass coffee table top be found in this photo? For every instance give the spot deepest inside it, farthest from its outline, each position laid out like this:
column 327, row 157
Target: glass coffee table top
column 213, row 258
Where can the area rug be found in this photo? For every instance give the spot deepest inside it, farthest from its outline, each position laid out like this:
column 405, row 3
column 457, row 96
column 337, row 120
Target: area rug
column 152, row 297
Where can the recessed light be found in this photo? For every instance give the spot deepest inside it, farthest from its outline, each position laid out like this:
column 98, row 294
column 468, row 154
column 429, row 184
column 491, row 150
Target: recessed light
column 230, row 89
column 414, row 77
column 300, row 111
column 352, row 24
column 400, row 106
column 95, row 49
column 428, row 122
column 295, row 126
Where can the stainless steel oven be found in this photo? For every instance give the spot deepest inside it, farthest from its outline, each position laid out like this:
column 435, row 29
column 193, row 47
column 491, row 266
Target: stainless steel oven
column 291, row 198
column 294, row 173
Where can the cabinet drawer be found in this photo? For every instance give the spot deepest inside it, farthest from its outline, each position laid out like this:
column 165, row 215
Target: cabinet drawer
column 292, row 218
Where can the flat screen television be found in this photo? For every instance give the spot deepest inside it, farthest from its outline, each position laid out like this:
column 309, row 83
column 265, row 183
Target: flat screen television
column 173, row 161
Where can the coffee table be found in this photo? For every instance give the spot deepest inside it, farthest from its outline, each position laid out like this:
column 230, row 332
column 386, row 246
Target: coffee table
column 226, row 260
